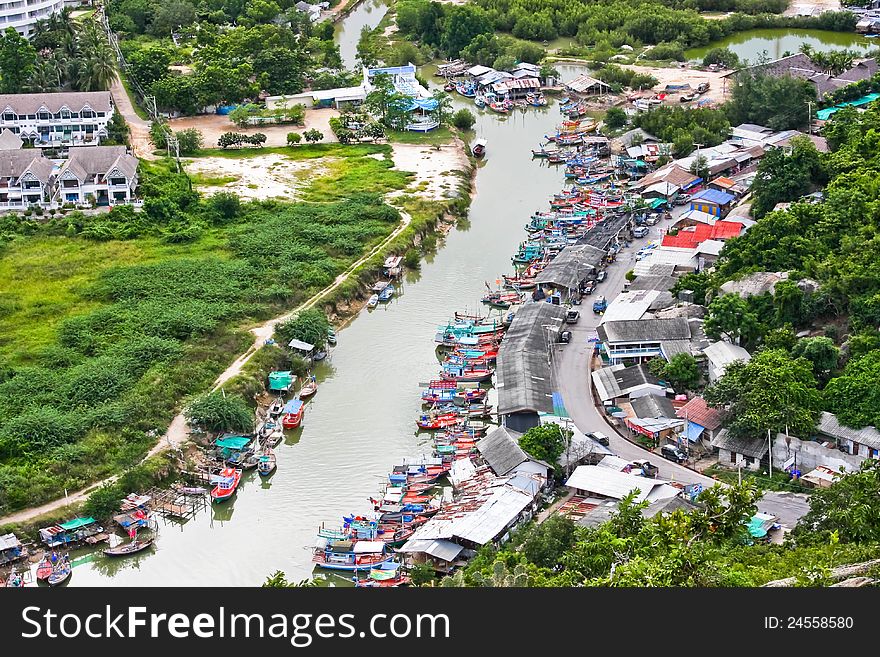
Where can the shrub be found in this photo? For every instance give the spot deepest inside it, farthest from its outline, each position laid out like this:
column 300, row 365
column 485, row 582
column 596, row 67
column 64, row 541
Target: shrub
column 313, row 136
column 464, row 119
column 293, row 138
column 217, row 412
column 189, row 140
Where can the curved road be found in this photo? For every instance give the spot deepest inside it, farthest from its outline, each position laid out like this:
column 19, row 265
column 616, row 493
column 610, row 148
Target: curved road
column 571, row 370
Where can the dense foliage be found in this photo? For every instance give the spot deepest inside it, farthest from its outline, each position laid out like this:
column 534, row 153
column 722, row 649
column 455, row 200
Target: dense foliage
column 684, row 127
column 777, row 102
column 546, row 442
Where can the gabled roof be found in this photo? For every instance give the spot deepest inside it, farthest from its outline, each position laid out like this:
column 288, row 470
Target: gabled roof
column 752, row 447
column 690, row 237
column 714, row 196
column 652, row 406
column 699, row 412
column 501, row 450
column 99, row 101
column 830, row 426
column 721, row 354
column 619, row 381
column 671, row 173
column 571, row 265
column 584, row 82
column 617, row 485
column 85, row 161
column 14, row 163
column 645, row 330
column 9, row 140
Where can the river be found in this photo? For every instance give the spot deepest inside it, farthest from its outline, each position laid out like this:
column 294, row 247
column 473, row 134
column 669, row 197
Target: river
column 362, row 420
column 348, row 30
column 751, row 44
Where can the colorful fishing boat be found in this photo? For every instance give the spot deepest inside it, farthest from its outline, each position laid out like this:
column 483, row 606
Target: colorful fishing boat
column 268, row 463
column 466, row 374
column 292, row 415
column 309, row 388
column 433, row 421
column 386, row 293
column 225, row 484
column 501, row 299
column 498, row 107
column 479, row 148
column 350, row 555
column 385, row 575
column 44, row 568
column 61, row 572
column 15, row 580
column 132, row 547
column 275, row 407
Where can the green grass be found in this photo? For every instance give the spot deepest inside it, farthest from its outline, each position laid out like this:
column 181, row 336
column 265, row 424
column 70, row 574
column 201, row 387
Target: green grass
column 207, row 180
column 437, row 137
column 779, row 482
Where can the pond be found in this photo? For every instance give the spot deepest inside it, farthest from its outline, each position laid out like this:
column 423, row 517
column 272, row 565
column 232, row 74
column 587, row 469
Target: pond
column 751, row 44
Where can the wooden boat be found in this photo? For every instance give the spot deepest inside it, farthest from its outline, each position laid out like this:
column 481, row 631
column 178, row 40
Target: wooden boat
column 498, row 107
column 331, row 336
column 268, row 463
column 519, row 282
column 61, row 572
column 480, row 102
column 292, row 415
column 225, row 484
column 275, row 407
column 431, row 421
column 310, row 387
column 15, row 580
column 466, row 374
column 449, row 86
column 44, row 569
column 373, row 301
column 386, row 293
column 385, row 575
column 250, row 462
column 319, row 355
column 132, row 547
column 479, row 148
column 501, row 299
column 350, row 555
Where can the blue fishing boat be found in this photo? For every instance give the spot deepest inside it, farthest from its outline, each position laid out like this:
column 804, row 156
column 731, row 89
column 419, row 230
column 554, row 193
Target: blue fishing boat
column 386, row 293
column 350, row 555
column 267, row 463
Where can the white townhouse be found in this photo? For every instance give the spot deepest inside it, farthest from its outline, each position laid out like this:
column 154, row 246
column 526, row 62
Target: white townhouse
column 26, row 178
column 51, row 120
column 105, row 175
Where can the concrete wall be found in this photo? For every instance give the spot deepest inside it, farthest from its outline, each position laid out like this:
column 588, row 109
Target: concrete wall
column 810, row 454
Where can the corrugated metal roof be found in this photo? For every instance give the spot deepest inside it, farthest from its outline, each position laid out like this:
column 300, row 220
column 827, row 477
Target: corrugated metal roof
column 571, row 265
column 829, row 425
column 617, row 485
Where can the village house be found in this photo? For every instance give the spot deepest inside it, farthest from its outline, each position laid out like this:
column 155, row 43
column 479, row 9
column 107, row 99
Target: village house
column 607, row 483
column 712, row 202
column 618, row 384
column 864, row 442
column 746, row 452
column 51, row 120
column 26, row 178
column 636, row 304
column 501, row 451
column 702, row 422
column 640, row 340
column 587, row 85
column 721, row 354
column 571, row 267
column 103, row 175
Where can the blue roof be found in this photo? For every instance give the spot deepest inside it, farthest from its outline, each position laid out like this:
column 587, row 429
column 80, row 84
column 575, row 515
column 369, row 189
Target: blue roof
column 713, row 196
column 694, row 431
column 292, row 406
column 393, row 70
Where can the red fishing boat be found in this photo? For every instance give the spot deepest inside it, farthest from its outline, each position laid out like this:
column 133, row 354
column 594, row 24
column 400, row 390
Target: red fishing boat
column 386, row 575
column 225, row 484
column 45, row 568
column 431, row 421
column 292, row 415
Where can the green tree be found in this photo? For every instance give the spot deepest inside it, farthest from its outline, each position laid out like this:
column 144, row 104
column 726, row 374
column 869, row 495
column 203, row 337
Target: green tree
column 310, row 325
column 421, row 574
column 464, row 119
column 189, row 140
column 217, row 412
column 700, row 167
column 821, row 352
column 854, row 395
column 241, row 115
column 682, row 372
column 546, row 544
column 313, row 136
column 847, row 511
column 293, row 138
column 149, row 64
column 461, row 24
column 17, row 61
column 724, row 56
column 730, row 317
column 777, row 102
column 546, row 442
column 616, row 118
column 773, row 391
column 786, row 176
column 444, row 105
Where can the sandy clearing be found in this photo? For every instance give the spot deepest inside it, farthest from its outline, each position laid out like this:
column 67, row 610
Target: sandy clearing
column 139, row 135
column 434, row 167
column 213, row 125
column 811, row 8
column 258, row 178
column 717, row 85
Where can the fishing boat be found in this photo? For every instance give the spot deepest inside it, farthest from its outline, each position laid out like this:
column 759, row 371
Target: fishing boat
column 479, row 148
column 501, row 299
column 268, row 463
column 479, row 101
column 519, row 282
column 250, row 461
column 319, row 355
column 373, row 301
column 498, row 107
column 15, row 580
column 331, row 336
column 350, row 555
column 466, row 373
column 386, row 293
column 61, row 572
column 132, row 547
column 292, row 415
column 225, row 484
column 275, row 407
column 44, row 568
column 385, row 575
column 310, row 387
column 433, row 421
column 449, row 86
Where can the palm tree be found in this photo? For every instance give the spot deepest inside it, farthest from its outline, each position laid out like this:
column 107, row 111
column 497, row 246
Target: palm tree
column 44, row 77
column 99, row 69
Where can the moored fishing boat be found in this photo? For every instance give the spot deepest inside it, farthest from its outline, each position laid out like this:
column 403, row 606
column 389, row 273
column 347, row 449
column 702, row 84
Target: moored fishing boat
column 268, row 463
column 433, row 421
column 44, row 568
column 373, row 301
column 275, row 407
column 309, row 388
column 133, row 547
column 501, row 299
column 350, row 555
column 61, row 572
column 385, row 575
column 479, row 148
column 292, row 414
column 15, row 580
column 386, row 293
column 466, row 374
column 225, row 484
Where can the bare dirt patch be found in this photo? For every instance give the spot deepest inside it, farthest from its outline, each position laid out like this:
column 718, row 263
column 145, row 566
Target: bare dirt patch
column 255, row 178
column 718, row 87
column 435, row 168
column 213, row 125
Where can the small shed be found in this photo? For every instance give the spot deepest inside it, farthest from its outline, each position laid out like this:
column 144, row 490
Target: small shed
column 747, row 452
column 713, row 201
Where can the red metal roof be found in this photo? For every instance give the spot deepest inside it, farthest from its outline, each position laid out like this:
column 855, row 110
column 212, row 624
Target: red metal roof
column 692, row 236
column 697, row 411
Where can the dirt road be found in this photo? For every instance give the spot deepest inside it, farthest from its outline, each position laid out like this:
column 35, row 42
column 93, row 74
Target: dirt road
column 140, row 129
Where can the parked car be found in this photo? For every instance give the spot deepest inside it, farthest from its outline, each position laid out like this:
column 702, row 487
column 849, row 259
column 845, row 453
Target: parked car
column 682, row 199
column 589, row 287
column 599, row 305
column 640, row 231
column 647, row 468
column 565, row 337
column 572, row 317
column 602, row 275
column 673, row 453
column 653, row 218
column 599, row 437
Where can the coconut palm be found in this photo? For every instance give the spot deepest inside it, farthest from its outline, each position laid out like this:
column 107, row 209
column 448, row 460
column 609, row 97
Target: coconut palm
column 99, row 69
column 44, row 77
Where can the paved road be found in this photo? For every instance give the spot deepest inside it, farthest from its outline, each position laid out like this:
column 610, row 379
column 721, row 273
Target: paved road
column 571, row 370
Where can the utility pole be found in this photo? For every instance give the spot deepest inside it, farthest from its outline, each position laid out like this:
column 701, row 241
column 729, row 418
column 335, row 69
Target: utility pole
column 770, row 452
column 809, row 117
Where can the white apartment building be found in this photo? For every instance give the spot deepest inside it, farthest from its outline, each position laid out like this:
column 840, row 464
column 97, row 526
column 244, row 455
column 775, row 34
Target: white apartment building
column 26, row 178
column 104, row 175
column 23, row 14
column 52, row 120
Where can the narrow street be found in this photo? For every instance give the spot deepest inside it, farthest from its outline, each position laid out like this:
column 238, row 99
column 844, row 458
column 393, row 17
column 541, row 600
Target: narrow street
column 571, row 369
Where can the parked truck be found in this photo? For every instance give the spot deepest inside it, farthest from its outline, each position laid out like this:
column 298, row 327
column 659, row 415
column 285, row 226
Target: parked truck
column 599, row 305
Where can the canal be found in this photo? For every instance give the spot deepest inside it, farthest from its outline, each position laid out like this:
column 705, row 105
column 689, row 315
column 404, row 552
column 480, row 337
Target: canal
column 348, row 30
column 752, row 44
column 362, row 420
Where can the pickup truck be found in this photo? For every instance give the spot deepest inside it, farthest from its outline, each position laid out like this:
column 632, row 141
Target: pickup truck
column 599, row 305
column 647, row 468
